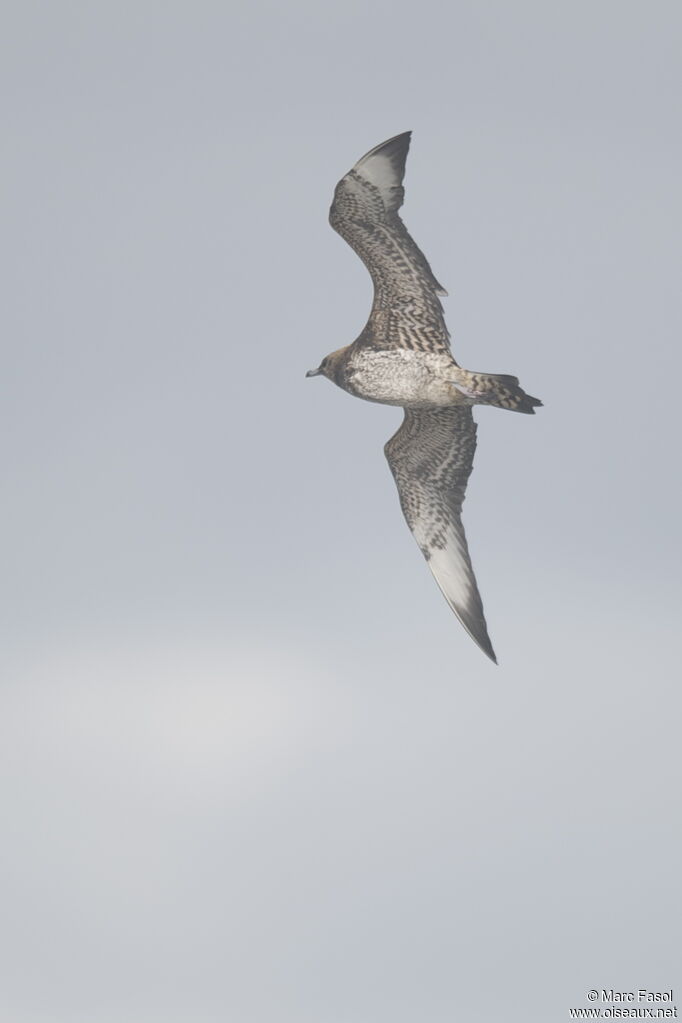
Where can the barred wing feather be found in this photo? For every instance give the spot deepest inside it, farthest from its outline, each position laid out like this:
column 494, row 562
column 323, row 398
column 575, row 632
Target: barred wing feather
column 406, row 311
column 431, row 458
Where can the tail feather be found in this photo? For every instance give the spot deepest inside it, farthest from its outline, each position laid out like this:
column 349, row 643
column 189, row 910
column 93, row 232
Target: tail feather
column 496, row 389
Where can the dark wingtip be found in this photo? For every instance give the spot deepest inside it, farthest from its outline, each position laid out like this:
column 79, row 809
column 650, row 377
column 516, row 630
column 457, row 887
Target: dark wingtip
column 487, row 649
column 476, row 627
column 395, row 149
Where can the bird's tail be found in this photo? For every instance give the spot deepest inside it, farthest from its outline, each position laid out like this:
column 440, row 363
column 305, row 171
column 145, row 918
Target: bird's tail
column 495, row 389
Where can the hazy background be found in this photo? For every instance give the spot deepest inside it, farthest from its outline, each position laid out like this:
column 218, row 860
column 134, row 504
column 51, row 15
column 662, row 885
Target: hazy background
column 252, row 767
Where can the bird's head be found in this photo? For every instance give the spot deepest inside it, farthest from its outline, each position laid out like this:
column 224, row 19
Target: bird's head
column 322, row 369
column 330, row 366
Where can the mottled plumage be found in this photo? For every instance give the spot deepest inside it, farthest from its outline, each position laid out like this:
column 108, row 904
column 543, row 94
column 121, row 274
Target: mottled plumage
column 406, row 312
column 431, row 458
column 402, row 357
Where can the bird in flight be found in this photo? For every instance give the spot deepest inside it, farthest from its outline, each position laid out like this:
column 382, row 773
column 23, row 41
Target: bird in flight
column 402, row 357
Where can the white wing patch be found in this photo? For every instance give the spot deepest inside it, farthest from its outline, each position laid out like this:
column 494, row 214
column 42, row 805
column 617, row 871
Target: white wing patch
column 451, row 568
column 381, row 171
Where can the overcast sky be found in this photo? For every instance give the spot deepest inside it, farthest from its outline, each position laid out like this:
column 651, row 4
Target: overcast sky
column 253, row 769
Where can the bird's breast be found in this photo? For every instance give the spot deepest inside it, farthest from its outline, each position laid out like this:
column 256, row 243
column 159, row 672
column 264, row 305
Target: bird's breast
column 412, row 379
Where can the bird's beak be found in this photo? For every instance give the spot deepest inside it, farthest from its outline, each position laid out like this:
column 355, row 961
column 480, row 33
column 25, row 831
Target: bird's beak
column 313, row 372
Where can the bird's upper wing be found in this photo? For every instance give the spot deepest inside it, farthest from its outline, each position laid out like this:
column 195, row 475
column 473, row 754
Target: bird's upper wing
column 431, row 457
column 406, row 312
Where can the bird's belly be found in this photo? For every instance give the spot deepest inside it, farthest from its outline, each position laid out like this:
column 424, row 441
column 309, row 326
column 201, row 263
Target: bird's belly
column 401, row 377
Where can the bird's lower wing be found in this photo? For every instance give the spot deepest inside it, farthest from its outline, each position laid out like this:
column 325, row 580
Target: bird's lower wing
column 431, row 458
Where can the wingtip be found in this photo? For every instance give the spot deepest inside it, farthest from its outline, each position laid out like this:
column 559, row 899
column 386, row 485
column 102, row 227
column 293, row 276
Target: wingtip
column 472, row 620
column 484, row 643
column 395, row 149
column 475, row 625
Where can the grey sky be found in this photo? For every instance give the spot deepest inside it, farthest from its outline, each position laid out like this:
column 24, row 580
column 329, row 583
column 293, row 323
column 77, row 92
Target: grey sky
column 252, row 767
